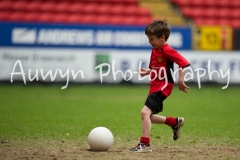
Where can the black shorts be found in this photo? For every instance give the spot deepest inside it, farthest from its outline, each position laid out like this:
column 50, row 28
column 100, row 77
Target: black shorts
column 155, row 102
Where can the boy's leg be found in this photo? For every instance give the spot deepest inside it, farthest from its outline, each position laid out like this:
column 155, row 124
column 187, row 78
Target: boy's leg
column 157, row 119
column 175, row 123
column 144, row 145
column 146, row 121
column 153, row 105
column 170, row 121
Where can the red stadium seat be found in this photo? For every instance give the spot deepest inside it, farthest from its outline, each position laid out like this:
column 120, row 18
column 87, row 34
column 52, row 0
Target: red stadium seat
column 47, row 7
column 143, row 12
column 223, row 3
column 90, row 8
column 33, row 6
column 60, row 18
column 143, row 21
column 19, row 6
column 5, row 5
column 31, row 17
column 103, row 9
column 196, row 3
column 196, row 12
column 223, row 13
column 209, row 13
column 235, row 13
column 223, row 22
column 129, row 20
column 17, row 17
column 210, row 3
column 235, row 24
column 234, row 3
column 74, row 18
column 115, row 20
column 90, row 1
column 200, row 3
column 76, row 8
column 182, row 3
column 4, row 16
column 62, row 7
column 116, row 10
column 187, row 11
column 130, row 2
column 46, row 18
column 211, row 21
column 88, row 19
column 130, row 10
column 102, row 19
column 114, row 2
column 192, row 13
column 198, row 21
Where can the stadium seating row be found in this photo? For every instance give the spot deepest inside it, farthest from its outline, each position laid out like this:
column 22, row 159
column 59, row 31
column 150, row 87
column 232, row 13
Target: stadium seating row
column 133, row 2
column 113, row 12
column 211, row 12
column 208, row 3
column 199, row 12
column 74, row 18
column 66, row 7
column 218, row 22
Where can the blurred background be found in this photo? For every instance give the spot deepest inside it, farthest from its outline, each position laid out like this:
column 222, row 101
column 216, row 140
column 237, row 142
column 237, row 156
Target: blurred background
column 75, row 36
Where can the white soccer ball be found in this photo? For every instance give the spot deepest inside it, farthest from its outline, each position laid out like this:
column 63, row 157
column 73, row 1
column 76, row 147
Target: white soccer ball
column 100, row 139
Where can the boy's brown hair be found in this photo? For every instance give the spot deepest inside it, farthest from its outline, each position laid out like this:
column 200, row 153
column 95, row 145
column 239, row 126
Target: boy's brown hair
column 158, row 28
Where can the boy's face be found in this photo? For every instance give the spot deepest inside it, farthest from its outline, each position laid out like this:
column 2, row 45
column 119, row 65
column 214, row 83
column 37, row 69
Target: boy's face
column 155, row 41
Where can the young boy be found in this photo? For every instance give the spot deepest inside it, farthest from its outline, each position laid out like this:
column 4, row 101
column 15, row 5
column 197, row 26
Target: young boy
column 161, row 85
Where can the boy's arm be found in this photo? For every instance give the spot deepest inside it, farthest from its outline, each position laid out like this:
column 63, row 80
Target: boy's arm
column 181, row 85
column 174, row 56
column 144, row 72
column 182, row 62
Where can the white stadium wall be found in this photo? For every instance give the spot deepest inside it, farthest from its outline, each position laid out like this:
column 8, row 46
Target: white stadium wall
column 107, row 54
column 85, row 65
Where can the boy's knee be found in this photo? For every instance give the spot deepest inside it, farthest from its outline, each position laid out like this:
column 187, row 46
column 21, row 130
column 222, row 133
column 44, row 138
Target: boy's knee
column 145, row 113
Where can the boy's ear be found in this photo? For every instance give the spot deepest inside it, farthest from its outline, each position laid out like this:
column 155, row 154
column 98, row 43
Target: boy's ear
column 163, row 37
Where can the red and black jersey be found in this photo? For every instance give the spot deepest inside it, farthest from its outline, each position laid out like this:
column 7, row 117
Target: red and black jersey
column 161, row 62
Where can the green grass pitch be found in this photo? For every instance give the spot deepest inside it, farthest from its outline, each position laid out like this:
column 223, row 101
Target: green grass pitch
column 212, row 115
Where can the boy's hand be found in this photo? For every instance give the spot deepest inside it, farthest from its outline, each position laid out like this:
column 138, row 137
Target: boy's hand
column 144, row 72
column 182, row 86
